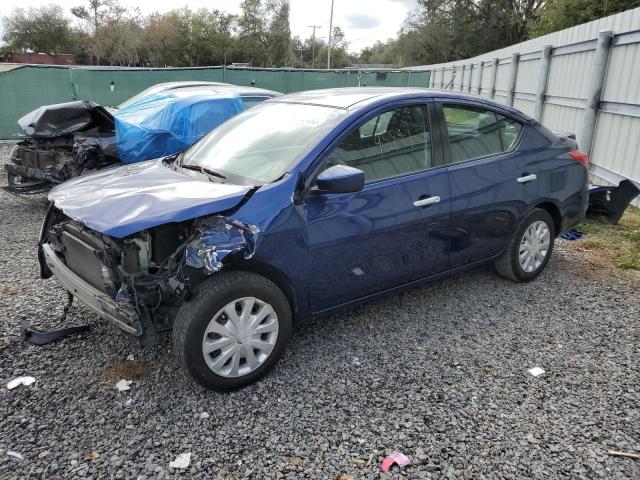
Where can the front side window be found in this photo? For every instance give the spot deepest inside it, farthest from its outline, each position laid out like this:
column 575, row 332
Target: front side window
column 394, row 143
column 258, row 145
column 477, row 132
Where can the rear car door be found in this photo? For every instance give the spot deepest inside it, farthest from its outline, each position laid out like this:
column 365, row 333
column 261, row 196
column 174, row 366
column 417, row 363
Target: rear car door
column 493, row 177
column 365, row 242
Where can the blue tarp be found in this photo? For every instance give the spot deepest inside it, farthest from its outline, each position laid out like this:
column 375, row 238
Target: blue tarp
column 166, row 123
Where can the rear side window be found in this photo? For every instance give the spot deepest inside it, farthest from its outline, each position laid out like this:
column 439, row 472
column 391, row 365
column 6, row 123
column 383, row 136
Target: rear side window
column 249, row 102
column 394, row 143
column 476, row 132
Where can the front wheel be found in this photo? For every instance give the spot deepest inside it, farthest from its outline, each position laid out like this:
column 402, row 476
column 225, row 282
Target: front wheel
column 529, row 249
column 233, row 331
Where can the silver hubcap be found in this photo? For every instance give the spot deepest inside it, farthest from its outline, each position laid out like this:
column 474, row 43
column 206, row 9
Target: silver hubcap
column 240, row 337
column 534, row 246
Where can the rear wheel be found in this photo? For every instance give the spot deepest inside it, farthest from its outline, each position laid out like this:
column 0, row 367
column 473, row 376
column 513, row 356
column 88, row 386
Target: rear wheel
column 529, row 249
column 233, row 331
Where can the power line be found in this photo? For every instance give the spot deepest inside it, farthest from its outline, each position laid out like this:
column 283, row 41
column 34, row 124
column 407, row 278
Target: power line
column 313, row 44
column 330, row 32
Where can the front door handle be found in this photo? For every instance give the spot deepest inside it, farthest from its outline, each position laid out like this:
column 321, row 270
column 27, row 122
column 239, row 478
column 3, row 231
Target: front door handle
column 426, row 201
column 527, row 178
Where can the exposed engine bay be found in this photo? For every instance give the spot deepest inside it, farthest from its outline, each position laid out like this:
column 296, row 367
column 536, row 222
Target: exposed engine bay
column 148, row 275
column 64, row 141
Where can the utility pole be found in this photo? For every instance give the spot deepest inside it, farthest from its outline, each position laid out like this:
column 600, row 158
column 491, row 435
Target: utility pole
column 313, row 45
column 330, row 32
column 301, row 49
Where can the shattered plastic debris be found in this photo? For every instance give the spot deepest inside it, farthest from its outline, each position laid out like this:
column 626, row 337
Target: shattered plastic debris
column 396, row 458
column 536, row 371
column 15, row 455
column 129, row 402
column 182, row 461
column 37, row 337
column 26, row 381
column 572, row 235
column 217, row 238
column 122, row 295
column 124, row 385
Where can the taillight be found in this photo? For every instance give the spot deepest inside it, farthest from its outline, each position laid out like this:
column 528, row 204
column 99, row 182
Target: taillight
column 580, row 157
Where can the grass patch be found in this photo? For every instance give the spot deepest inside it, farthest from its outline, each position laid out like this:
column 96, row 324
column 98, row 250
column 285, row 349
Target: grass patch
column 617, row 245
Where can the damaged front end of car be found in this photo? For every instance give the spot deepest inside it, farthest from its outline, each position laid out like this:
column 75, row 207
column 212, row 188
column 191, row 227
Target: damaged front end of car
column 139, row 282
column 62, row 141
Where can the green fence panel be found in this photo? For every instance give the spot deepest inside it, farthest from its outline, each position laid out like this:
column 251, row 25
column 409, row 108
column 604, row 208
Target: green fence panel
column 96, row 84
column 25, row 88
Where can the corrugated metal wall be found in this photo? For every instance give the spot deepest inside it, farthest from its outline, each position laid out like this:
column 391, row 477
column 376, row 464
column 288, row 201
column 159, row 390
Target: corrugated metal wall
column 615, row 147
column 25, row 88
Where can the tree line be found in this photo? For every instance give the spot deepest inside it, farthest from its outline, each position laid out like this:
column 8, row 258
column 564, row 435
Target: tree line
column 440, row 31
column 103, row 32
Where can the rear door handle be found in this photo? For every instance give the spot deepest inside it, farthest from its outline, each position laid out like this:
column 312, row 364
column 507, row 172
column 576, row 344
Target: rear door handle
column 426, row 201
column 527, row 178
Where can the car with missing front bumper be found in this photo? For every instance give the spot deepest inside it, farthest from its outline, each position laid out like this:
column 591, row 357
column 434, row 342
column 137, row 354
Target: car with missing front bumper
column 305, row 205
column 65, row 140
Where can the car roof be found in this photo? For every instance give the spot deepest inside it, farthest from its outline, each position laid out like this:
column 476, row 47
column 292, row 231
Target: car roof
column 214, row 87
column 352, row 98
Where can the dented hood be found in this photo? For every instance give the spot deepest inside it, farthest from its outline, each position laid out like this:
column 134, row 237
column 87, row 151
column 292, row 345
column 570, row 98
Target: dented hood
column 125, row 200
column 66, row 118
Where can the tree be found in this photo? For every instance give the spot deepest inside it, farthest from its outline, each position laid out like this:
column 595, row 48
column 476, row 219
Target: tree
column 264, row 35
column 560, row 14
column 445, row 30
column 40, row 30
column 279, row 32
column 382, row 53
column 340, row 57
column 98, row 14
column 160, row 35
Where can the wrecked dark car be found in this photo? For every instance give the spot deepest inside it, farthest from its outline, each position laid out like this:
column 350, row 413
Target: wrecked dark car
column 304, row 205
column 73, row 138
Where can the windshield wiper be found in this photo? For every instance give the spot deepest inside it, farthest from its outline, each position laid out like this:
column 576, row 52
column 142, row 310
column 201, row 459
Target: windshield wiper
column 204, row 170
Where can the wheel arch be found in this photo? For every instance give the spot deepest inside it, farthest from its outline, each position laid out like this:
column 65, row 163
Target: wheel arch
column 553, row 210
column 276, row 276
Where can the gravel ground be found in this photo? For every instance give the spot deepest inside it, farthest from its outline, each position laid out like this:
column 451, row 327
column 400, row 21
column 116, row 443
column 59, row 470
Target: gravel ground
column 439, row 373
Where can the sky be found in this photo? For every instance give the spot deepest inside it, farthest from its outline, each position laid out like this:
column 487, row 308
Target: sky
column 363, row 21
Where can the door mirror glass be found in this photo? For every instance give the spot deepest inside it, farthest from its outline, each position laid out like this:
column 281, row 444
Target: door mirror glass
column 340, row 179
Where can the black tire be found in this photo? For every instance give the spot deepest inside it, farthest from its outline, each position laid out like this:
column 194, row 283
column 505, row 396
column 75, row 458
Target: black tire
column 508, row 264
column 212, row 295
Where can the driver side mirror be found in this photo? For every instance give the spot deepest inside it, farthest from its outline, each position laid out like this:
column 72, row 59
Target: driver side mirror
column 340, row 179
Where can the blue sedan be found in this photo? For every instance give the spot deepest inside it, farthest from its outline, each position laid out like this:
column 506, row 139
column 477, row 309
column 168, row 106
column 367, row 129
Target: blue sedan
column 304, row 205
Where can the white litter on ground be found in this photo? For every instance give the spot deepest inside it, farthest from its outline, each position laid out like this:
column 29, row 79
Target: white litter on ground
column 536, row 371
column 124, row 385
column 130, row 357
column 182, row 461
column 204, row 415
column 13, row 454
column 26, row 381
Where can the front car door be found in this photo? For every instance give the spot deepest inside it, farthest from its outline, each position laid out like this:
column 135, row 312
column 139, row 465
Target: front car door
column 369, row 241
column 493, row 177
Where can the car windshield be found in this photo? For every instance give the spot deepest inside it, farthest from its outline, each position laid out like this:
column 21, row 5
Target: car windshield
column 260, row 144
